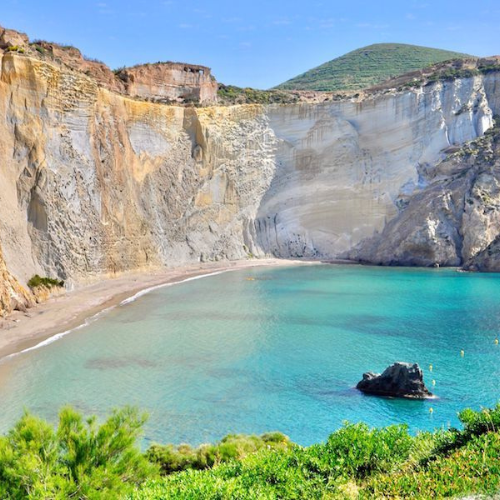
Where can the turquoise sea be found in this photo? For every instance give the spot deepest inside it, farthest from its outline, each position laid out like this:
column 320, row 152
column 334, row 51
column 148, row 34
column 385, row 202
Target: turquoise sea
column 273, row 349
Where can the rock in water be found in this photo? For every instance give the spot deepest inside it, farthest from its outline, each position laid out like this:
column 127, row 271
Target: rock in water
column 401, row 380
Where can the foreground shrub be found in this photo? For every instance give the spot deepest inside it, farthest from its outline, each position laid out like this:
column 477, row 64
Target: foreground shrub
column 473, row 469
column 234, row 446
column 355, row 451
column 355, row 462
column 320, row 471
column 79, row 459
column 475, row 423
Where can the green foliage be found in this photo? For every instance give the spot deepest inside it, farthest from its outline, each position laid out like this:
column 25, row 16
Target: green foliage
column 353, row 452
column 471, row 470
column 365, row 67
column 356, row 451
column 234, row 446
column 489, row 68
column 452, row 74
column 229, row 94
column 15, row 48
column 36, row 281
column 475, row 423
column 79, row 459
column 355, row 462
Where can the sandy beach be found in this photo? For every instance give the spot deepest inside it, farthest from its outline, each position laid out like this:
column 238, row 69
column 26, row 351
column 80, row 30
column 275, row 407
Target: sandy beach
column 21, row 331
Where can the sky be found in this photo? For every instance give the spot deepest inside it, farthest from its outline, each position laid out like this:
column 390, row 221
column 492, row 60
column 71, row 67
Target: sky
column 254, row 43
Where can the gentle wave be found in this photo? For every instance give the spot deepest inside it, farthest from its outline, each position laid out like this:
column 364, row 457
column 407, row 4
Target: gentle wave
column 93, row 318
column 163, row 285
column 58, row 336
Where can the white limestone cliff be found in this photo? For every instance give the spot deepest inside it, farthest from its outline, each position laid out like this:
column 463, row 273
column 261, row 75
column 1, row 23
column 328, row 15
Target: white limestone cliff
column 95, row 183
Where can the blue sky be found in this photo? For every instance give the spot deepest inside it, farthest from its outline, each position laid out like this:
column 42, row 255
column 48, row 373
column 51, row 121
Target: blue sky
column 255, row 42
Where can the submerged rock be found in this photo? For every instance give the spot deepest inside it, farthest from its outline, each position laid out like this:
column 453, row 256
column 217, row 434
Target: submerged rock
column 401, row 380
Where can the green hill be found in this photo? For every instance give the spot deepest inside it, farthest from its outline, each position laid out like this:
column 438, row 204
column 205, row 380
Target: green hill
column 368, row 66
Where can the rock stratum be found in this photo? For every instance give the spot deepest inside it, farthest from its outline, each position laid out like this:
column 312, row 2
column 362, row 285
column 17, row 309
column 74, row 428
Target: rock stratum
column 96, row 183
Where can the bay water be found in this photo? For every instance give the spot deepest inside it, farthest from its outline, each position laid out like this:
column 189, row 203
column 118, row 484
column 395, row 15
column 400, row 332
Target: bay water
column 266, row 349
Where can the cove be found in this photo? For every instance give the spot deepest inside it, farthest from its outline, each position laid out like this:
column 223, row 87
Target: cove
column 268, row 349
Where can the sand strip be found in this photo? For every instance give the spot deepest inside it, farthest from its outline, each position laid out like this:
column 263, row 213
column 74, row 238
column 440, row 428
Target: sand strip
column 23, row 331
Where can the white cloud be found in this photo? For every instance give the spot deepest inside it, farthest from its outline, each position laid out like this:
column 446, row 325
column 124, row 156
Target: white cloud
column 327, row 23
column 250, row 27
column 372, row 26
column 284, row 21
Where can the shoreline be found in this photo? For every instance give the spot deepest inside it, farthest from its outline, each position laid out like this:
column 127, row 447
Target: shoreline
column 61, row 315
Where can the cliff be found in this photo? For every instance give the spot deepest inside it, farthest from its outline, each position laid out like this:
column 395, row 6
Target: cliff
column 95, row 183
column 160, row 82
column 170, row 82
column 344, row 170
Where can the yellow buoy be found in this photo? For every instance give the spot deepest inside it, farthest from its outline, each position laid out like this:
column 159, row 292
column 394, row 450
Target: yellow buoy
column 430, row 368
column 250, row 279
column 496, row 341
column 431, row 410
column 462, row 353
column 433, row 382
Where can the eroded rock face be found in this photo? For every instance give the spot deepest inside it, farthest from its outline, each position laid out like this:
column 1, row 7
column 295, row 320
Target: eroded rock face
column 161, row 82
column 74, row 59
column 401, row 380
column 345, row 170
column 13, row 296
column 170, row 82
column 452, row 220
column 95, row 183
column 12, row 38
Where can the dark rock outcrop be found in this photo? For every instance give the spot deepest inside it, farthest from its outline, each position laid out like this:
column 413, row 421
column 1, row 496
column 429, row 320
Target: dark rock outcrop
column 401, row 380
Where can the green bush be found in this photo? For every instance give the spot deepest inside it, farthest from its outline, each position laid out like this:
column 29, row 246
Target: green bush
column 355, row 462
column 473, row 469
column 230, row 94
column 355, row 451
column 234, row 446
column 36, row 281
column 15, row 48
column 79, row 459
column 475, row 423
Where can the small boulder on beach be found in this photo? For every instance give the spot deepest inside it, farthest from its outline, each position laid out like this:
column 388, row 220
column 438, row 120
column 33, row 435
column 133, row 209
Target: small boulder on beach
column 400, row 380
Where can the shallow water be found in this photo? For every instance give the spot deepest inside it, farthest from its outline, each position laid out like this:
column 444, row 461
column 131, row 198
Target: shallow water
column 280, row 351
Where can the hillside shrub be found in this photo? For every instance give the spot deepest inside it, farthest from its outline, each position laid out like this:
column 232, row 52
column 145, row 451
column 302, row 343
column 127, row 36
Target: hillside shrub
column 475, row 423
column 79, row 459
column 234, row 446
column 356, row 451
column 37, row 280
